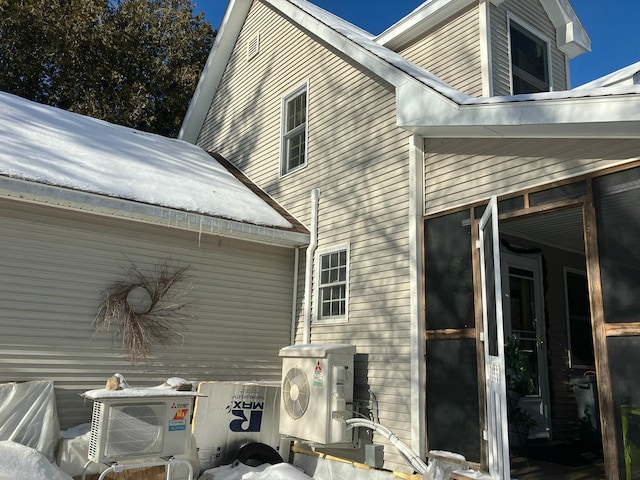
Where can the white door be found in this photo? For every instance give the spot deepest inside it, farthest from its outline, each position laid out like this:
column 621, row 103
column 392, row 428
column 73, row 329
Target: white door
column 523, row 307
column 493, row 336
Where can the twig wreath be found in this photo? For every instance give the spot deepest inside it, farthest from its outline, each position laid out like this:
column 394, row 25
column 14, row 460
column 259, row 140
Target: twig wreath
column 145, row 309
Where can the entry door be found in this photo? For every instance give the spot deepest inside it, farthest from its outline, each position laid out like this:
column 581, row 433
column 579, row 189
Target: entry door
column 523, row 308
column 493, row 336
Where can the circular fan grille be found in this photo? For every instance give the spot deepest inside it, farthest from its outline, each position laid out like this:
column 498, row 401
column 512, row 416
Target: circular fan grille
column 134, row 429
column 295, row 392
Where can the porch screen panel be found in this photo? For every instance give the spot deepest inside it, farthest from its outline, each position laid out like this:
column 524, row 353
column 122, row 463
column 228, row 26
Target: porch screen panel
column 448, row 272
column 617, row 200
column 453, row 416
column 624, row 358
column 617, row 197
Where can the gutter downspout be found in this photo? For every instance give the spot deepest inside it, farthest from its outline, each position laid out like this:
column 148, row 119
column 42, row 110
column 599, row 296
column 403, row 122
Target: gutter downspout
column 311, row 249
column 294, row 300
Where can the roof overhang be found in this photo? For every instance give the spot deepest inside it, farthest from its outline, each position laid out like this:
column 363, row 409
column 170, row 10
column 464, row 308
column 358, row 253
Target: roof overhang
column 79, row 201
column 425, row 105
column 225, row 40
column 571, row 37
column 602, row 113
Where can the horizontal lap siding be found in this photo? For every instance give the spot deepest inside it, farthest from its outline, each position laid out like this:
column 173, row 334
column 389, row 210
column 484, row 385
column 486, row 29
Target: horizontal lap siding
column 463, row 171
column 533, row 13
column 451, row 51
column 55, row 266
column 358, row 159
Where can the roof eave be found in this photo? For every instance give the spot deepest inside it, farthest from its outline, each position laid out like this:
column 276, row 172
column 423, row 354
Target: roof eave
column 422, row 18
column 606, row 116
column 64, row 198
column 225, row 41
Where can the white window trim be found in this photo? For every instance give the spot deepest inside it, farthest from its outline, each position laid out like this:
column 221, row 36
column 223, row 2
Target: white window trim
column 303, row 87
column 535, row 32
column 316, row 311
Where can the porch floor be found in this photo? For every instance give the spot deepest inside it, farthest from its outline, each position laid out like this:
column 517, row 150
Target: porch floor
column 558, row 461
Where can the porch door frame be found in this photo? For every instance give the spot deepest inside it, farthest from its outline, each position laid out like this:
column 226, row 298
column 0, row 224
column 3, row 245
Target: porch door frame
column 599, row 327
column 493, row 338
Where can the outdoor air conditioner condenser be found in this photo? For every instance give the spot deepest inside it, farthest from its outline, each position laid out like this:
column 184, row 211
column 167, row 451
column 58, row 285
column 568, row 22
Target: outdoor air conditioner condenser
column 317, row 392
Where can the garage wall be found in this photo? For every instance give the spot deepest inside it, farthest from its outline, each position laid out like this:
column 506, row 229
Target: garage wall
column 55, row 266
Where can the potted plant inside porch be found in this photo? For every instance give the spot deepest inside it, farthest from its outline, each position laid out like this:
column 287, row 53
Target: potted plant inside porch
column 519, row 384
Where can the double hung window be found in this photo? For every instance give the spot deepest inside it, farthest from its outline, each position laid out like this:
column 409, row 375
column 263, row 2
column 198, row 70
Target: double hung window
column 333, row 276
column 294, row 131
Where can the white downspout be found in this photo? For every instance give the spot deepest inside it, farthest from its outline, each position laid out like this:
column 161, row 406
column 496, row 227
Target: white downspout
column 294, row 300
column 308, row 281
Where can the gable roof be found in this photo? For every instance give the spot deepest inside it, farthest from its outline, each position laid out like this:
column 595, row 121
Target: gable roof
column 571, row 36
column 425, row 104
column 71, row 159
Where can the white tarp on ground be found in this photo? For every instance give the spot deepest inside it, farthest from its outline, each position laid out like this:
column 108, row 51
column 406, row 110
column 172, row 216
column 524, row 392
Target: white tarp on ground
column 28, row 416
column 240, row 471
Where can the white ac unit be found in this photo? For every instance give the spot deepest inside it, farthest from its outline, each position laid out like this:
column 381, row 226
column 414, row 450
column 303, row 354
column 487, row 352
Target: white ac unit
column 317, row 392
column 139, row 427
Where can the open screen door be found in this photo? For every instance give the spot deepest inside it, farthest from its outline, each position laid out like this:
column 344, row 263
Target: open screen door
column 498, row 430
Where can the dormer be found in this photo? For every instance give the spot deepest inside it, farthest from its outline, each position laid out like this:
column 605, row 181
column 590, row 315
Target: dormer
column 492, row 47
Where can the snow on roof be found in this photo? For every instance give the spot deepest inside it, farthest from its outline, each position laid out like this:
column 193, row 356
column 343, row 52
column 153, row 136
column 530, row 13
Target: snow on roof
column 48, row 145
column 627, row 73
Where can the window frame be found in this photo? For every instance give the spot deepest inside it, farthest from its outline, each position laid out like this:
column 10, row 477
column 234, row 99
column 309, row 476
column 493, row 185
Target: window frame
column 320, row 253
column 538, row 37
column 286, row 135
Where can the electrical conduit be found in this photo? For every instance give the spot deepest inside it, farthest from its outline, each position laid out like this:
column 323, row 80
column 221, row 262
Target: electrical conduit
column 409, row 455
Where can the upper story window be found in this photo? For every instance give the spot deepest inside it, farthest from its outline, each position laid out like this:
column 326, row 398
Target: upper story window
column 294, row 131
column 333, row 279
column 530, row 69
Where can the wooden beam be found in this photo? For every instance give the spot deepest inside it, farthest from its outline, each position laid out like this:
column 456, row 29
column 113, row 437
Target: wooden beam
column 607, row 407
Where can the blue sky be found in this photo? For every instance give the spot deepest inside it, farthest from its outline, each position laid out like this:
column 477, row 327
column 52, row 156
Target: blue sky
column 612, row 26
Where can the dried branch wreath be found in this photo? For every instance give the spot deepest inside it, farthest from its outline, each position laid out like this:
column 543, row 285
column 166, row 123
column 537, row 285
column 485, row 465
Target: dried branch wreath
column 145, row 310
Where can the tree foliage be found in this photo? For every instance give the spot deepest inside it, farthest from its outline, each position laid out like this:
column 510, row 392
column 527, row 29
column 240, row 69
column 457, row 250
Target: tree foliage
column 131, row 62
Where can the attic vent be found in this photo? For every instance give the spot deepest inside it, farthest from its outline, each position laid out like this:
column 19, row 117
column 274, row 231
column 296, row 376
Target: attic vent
column 253, row 46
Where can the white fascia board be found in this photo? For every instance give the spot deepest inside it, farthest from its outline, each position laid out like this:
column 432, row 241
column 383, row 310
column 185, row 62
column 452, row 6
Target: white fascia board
column 341, row 43
column 571, row 37
column 417, row 22
column 57, row 197
column 225, row 41
column 604, row 116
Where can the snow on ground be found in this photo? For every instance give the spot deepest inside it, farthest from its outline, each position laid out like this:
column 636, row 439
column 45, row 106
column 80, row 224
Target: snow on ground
column 55, row 147
column 24, row 463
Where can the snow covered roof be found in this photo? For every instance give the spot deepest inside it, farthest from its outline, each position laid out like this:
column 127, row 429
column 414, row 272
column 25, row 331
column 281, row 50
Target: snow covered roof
column 425, row 104
column 56, row 148
column 629, row 75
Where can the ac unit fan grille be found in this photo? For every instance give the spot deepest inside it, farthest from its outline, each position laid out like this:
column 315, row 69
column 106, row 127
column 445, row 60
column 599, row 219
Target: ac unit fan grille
column 295, row 393
column 135, row 429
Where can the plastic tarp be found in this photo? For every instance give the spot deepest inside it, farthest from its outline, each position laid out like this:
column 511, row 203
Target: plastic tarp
column 240, row 471
column 28, row 416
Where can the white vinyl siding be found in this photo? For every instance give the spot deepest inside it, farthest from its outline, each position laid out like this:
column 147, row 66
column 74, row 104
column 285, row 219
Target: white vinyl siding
column 359, row 160
column 533, row 13
column 463, row 171
column 451, row 51
column 56, row 265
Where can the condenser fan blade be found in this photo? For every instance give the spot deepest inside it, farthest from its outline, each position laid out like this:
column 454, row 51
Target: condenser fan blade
column 295, row 392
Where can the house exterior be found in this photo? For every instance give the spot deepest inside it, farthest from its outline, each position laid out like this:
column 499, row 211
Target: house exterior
column 390, row 147
column 81, row 203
